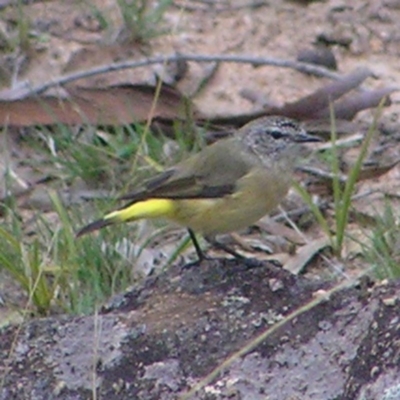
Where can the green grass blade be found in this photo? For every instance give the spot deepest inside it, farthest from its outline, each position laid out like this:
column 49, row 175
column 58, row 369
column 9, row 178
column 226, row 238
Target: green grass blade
column 315, row 210
column 343, row 207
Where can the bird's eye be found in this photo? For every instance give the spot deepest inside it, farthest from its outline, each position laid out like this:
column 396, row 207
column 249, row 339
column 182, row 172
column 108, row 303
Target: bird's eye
column 277, row 134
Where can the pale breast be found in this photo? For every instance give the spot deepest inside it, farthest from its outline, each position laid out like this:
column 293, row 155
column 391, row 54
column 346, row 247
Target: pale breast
column 257, row 194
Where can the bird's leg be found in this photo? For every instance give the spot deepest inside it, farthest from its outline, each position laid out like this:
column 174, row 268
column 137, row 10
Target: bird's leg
column 249, row 263
column 196, row 245
column 221, row 246
column 215, row 243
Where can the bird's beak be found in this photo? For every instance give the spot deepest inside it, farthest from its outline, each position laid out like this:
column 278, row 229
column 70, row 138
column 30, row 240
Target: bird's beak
column 304, row 137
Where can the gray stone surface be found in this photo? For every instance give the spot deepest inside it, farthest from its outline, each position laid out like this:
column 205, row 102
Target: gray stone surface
column 159, row 339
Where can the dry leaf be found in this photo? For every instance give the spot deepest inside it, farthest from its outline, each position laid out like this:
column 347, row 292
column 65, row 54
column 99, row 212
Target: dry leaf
column 116, row 105
column 304, row 254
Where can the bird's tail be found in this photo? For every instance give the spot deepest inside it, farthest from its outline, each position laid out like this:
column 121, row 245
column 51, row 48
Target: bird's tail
column 151, row 208
column 93, row 226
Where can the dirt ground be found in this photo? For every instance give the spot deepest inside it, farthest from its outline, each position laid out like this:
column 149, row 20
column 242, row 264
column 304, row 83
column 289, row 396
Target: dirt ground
column 365, row 33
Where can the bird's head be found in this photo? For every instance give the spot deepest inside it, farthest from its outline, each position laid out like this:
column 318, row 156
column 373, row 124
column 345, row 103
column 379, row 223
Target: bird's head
column 276, row 138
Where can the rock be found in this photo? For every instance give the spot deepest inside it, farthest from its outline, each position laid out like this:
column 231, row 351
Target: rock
column 319, row 55
column 161, row 338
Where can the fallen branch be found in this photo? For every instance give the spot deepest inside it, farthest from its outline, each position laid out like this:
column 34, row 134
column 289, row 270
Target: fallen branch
column 255, row 61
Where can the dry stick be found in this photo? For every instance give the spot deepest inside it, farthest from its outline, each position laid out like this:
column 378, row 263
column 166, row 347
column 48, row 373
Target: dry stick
column 255, row 61
column 212, row 6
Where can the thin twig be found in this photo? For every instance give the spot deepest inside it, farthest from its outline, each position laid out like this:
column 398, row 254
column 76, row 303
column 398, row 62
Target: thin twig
column 320, row 173
column 255, row 61
column 212, row 6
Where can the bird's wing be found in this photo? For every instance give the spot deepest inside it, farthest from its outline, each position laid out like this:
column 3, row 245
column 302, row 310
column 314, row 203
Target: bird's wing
column 182, row 187
column 204, row 175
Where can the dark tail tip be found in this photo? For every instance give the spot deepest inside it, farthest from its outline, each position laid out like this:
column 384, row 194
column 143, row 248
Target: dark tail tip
column 94, row 226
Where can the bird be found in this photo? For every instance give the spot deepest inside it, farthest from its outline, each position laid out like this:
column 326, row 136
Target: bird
column 227, row 186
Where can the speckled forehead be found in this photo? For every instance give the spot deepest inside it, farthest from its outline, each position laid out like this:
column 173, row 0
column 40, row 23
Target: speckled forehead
column 287, row 124
column 284, row 124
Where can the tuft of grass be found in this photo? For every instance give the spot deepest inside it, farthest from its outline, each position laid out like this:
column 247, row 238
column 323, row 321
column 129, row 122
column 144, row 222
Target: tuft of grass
column 23, row 27
column 89, row 269
column 382, row 251
column 99, row 156
column 143, row 19
column 56, row 271
column 23, row 263
column 18, row 36
column 341, row 195
column 97, row 14
column 59, row 273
